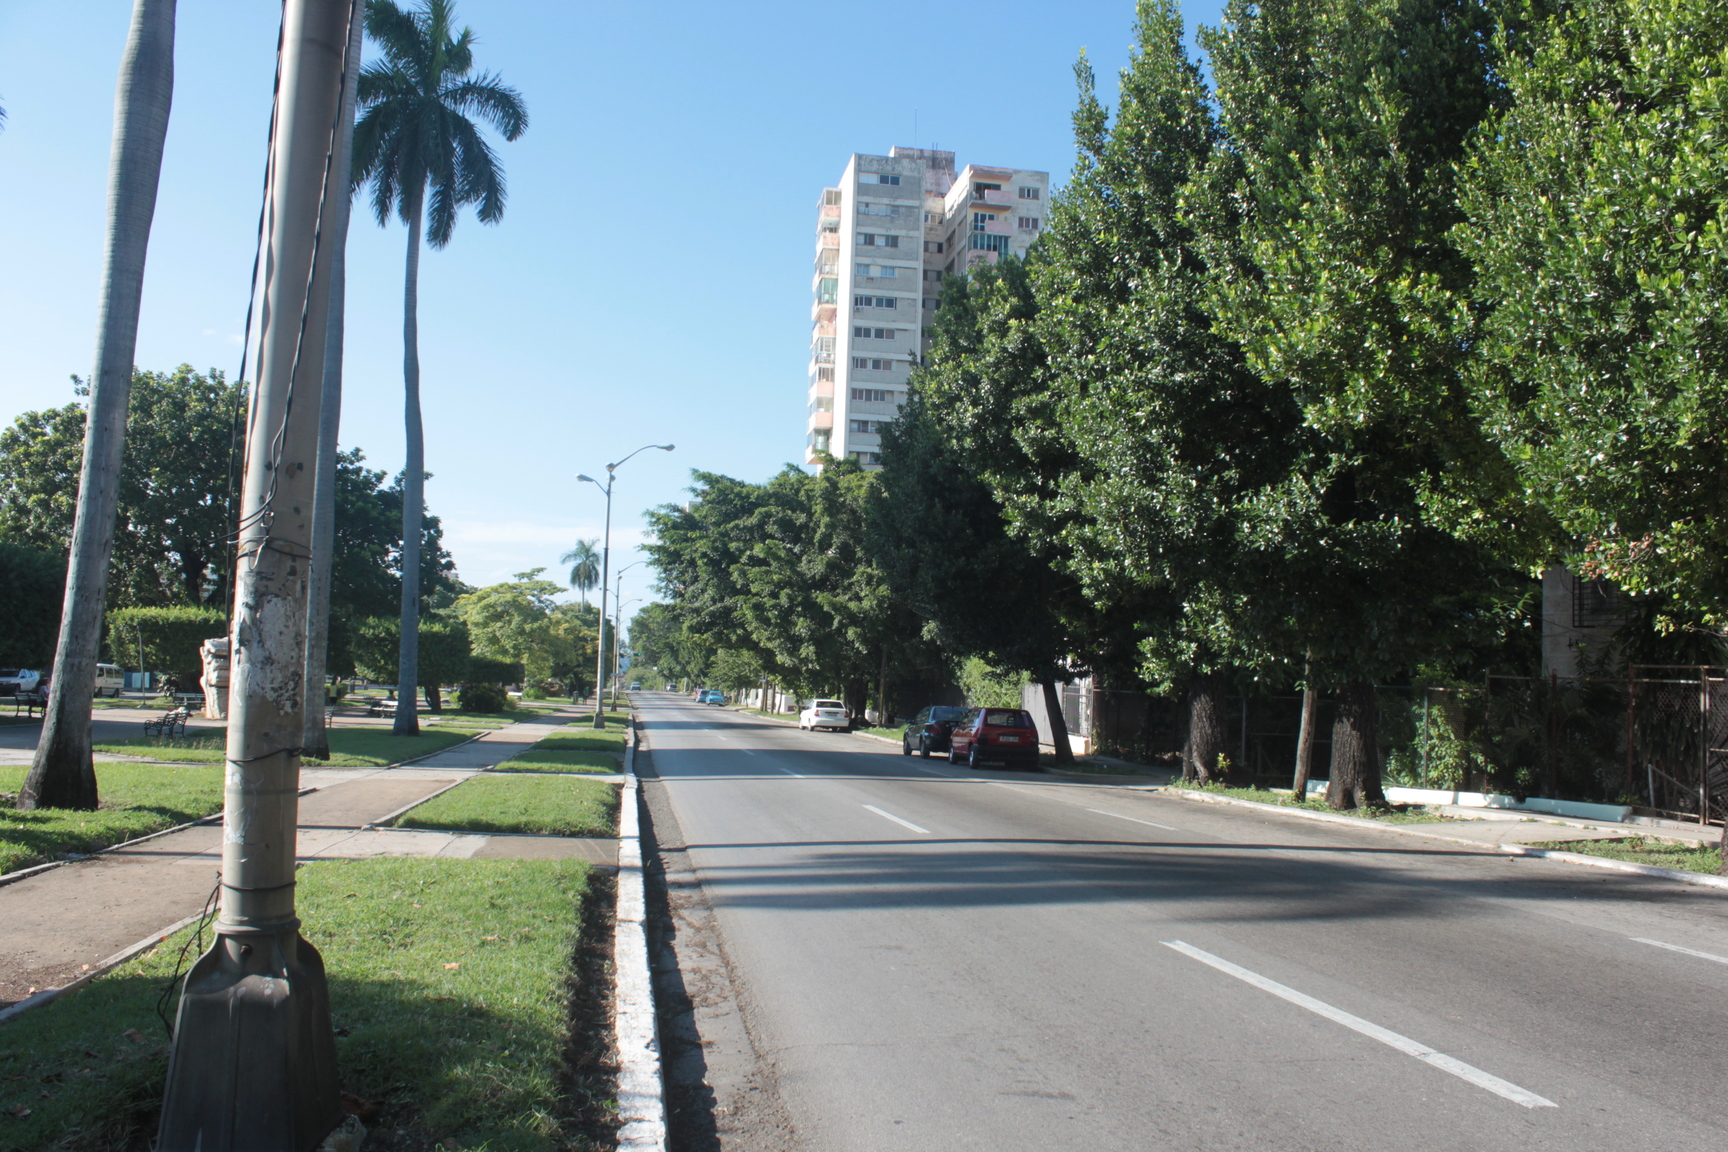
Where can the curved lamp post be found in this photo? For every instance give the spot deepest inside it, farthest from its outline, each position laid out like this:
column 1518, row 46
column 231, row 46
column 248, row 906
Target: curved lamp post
column 605, row 572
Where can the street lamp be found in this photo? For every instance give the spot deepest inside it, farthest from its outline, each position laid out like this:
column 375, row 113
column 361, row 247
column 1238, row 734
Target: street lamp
column 605, row 574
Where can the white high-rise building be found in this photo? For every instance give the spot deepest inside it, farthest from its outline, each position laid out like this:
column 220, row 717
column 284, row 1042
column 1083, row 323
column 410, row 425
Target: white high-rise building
column 885, row 237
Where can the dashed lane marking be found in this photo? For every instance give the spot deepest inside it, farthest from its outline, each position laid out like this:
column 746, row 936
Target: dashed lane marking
column 1404, row 1044
column 1119, row 816
column 897, row 820
column 1677, row 948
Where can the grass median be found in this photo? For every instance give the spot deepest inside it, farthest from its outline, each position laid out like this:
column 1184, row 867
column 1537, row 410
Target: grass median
column 1392, row 814
column 1644, row 850
column 542, row 805
column 137, row 799
column 467, row 997
column 573, row 749
column 349, row 747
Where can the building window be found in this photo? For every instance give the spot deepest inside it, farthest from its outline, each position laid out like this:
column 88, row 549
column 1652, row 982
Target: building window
column 879, row 271
column 866, row 457
column 997, row 244
column 875, row 363
column 932, row 218
column 880, row 178
column 978, row 190
column 819, row 439
column 830, row 197
column 875, row 302
column 979, row 219
column 870, row 395
column 930, row 302
column 933, row 246
column 824, row 349
column 932, row 274
column 1028, row 223
column 830, row 225
column 877, row 240
column 875, row 210
column 822, row 404
column 825, row 374
column 828, row 291
column 875, row 333
column 1028, row 193
column 868, row 427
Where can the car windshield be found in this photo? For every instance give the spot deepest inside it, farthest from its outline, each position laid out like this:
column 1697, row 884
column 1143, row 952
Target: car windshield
column 827, row 704
column 1005, row 719
column 947, row 713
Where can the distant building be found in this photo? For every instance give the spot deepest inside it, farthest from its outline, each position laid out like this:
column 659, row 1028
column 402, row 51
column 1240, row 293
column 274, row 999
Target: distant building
column 885, row 237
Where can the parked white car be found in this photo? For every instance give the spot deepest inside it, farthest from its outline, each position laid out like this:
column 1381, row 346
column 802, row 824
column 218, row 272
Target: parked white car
column 18, row 681
column 109, row 680
column 825, row 714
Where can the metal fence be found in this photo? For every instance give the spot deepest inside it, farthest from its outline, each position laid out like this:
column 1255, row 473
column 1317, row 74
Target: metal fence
column 1657, row 738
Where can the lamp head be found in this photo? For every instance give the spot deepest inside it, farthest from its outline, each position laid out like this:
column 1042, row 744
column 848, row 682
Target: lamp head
column 590, row 479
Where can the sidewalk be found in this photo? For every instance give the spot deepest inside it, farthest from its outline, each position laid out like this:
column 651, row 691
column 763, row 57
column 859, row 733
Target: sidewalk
column 55, row 924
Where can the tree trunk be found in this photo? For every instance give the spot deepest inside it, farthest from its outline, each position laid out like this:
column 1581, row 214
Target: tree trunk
column 884, row 716
column 1205, row 743
column 1355, row 774
column 1305, row 734
column 1060, row 746
column 434, row 701
column 316, row 740
column 413, row 486
column 62, row 774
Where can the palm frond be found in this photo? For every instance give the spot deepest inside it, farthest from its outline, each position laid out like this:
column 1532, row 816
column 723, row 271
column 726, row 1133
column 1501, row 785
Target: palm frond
column 498, row 104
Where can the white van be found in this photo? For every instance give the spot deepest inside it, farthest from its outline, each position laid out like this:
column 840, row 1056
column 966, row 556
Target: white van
column 109, row 680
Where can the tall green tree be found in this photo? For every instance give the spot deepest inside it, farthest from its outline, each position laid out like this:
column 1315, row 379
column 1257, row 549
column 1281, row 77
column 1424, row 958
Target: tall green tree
column 62, row 774
column 425, row 159
column 1349, row 119
column 584, row 561
column 33, row 580
column 1595, row 221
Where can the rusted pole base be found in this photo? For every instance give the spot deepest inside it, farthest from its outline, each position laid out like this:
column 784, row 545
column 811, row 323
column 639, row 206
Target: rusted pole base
column 253, row 1067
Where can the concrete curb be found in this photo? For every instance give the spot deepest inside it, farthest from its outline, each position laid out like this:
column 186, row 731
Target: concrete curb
column 1698, row 879
column 96, row 970
column 641, row 1092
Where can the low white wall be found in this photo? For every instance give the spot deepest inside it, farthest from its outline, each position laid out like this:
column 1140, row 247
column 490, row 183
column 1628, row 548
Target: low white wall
column 1576, row 809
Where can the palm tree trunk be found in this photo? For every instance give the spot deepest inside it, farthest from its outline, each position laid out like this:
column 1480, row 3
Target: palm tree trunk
column 413, row 484
column 62, row 774
column 316, row 740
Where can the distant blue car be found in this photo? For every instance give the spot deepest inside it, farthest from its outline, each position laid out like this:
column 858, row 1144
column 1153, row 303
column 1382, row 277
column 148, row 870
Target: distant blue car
column 711, row 696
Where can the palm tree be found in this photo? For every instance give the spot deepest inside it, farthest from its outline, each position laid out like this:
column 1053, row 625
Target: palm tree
column 62, row 774
column 415, row 137
column 584, row 561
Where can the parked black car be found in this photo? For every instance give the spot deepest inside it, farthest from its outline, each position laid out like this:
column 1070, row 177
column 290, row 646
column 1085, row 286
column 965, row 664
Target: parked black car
column 930, row 730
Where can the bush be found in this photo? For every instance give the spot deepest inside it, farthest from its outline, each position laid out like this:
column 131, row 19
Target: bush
column 484, row 670
column 171, row 638
column 34, row 583
column 482, row 698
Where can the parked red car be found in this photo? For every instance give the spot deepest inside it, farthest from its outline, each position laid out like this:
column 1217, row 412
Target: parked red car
column 1005, row 735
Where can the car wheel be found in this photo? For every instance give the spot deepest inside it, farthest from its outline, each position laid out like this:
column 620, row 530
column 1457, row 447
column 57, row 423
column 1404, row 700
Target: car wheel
column 953, row 754
column 924, row 747
column 972, row 760
column 905, row 748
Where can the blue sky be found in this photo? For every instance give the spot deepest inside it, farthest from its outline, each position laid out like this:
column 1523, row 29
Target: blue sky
column 650, row 279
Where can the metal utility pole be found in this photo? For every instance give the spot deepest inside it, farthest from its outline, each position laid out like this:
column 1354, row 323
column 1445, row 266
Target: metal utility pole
column 605, row 572
column 253, row 1067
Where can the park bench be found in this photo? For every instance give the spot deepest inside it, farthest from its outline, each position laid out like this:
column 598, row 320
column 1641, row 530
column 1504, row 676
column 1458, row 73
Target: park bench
column 170, row 723
column 382, row 707
column 30, row 703
column 191, row 701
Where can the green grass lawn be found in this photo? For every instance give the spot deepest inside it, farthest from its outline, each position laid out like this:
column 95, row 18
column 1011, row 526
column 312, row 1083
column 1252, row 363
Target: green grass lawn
column 573, row 750
column 452, row 994
column 520, row 802
column 894, row 734
column 349, row 747
column 1643, row 850
column 136, row 799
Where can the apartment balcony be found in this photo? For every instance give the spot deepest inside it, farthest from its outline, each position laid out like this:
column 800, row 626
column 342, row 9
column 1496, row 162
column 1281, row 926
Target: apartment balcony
column 996, row 196
column 820, row 420
column 1000, row 226
column 822, row 358
column 822, row 312
column 828, row 240
column 829, row 212
column 821, row 388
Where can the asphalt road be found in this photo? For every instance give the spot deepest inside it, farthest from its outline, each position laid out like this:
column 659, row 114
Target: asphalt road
column 928, row 958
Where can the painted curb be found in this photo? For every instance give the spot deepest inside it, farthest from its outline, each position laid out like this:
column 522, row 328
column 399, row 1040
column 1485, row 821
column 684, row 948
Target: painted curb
column 641, row 1092
column 1699, row 879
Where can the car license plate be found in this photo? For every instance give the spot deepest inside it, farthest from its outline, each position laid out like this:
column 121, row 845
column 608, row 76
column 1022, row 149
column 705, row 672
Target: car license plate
column 1009, row 739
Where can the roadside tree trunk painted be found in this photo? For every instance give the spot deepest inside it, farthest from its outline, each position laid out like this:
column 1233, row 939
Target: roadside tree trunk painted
column 1355, row 773
column 1059, row 742
column 1305, row 735
column 1205, row 744
column 62, row 774
column 316, row 742
column 413, row 484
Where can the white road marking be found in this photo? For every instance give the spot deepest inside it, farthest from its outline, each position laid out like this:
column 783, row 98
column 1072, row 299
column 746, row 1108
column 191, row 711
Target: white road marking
column 897, row 820
column 1119, row 816
column 1677, row 948
column 1385, row 1035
